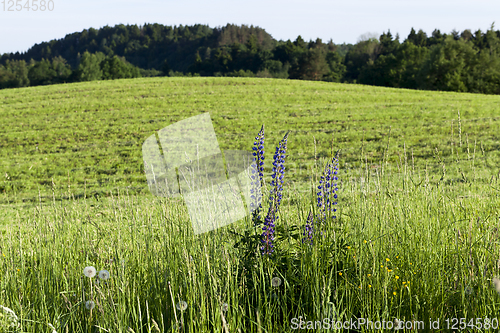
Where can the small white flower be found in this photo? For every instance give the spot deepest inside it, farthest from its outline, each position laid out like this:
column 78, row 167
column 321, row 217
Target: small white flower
column 89, row 305
column 224, row 307
column 182, row 306
column 89, row 271
column 276, row 281
column 104, row 274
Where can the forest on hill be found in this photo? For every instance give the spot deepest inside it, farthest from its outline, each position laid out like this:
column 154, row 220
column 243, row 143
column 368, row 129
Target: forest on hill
column 458, row 61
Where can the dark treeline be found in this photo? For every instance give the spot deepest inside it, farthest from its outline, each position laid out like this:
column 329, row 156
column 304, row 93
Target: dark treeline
column 459, row 61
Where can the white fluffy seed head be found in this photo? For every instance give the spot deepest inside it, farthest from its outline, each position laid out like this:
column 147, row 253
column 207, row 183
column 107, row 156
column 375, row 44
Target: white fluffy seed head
column 89, row 271
column 276, row 281
column 89, row 305
column 225, row 307
column 104, row 274
column 182, row 306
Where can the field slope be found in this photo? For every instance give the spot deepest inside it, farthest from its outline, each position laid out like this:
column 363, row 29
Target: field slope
column 88, row 136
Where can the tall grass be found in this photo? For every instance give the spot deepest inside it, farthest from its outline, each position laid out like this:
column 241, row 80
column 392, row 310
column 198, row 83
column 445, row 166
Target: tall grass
column 403, row 247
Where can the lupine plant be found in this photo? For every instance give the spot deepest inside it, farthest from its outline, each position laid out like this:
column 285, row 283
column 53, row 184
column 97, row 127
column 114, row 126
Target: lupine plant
column 327, row 189
column 258, row 153
column 274, row 197
column 309, row 228
column 326, row 194
column 326, row 199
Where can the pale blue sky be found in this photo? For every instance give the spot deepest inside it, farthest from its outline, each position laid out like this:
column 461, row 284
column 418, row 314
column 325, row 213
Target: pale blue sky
column 342, row 21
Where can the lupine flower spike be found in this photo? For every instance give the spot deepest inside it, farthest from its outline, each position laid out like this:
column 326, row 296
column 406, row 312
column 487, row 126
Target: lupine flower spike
column 326, row 197
column 258, row 153
column 275, row 197
column 333, row 183
column 327, row 189
column 309, row 229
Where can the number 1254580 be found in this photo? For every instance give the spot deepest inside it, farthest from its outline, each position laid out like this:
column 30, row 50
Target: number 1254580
column 27, row 5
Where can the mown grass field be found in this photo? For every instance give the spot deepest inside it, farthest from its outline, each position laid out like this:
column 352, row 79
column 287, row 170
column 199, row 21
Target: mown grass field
column 88, row 135
column 415, row 239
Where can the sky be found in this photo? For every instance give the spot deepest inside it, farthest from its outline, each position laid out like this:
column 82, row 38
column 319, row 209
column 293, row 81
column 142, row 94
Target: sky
column 342, row 21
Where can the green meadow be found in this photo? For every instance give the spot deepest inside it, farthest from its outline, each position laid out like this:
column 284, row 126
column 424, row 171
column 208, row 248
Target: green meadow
column 88, row 136
column 415, row 238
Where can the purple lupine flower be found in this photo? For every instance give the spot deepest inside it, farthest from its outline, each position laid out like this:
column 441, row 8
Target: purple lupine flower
column 258, row 168
column 321, row 194
column 326, row 194
column 328, row 184
column 268, row 233
column 260, row 155
column 275, row 196
column 309, row 229
column 332, row 200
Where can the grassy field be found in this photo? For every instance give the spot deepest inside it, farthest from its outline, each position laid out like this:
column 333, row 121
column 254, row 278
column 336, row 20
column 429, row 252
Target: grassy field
column 87, row 136
column 416, row 237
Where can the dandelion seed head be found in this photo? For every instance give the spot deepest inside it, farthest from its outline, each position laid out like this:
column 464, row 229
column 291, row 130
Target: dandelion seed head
column 276, row 281
column 90, row 305
column 104, row 274
column 89, row 271
column 469, row 290
column 182, row 306
column 225, row 307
